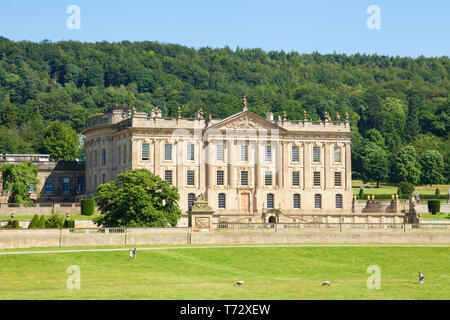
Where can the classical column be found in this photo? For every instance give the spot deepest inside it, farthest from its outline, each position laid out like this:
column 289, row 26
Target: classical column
column 157, row 156
column 348, row 167
column 258, row 171
column 279, row 164
column 231, row 157
column 327, row 179
column 285, row 166
column 202, row 167
column 307, row 165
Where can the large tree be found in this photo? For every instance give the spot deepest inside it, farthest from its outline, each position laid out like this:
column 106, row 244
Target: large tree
column 18, row 179
column 61, row 142
column 138, row 199
column 432, row 167
column 405, row 167
column 375, row 164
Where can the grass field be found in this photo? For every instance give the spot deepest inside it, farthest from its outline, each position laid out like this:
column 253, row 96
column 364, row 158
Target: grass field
column 203, row 274
column 391, row 189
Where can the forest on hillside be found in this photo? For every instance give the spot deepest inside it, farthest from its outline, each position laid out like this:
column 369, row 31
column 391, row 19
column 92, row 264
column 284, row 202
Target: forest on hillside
column 399, row 107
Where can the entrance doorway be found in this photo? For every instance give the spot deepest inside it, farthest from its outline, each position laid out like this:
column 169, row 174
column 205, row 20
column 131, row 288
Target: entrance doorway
column 245, row 202
column 272, row 219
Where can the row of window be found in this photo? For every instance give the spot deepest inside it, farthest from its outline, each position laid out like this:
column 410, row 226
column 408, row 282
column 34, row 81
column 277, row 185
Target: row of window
column 296, row 204
column 244, row 153
column 268, row 181
column 66, row 186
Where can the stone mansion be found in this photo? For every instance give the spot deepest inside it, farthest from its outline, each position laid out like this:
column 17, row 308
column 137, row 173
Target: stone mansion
column 250, row 168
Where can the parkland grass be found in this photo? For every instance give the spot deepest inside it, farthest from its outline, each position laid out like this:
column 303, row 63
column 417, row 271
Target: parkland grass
column 269, row 273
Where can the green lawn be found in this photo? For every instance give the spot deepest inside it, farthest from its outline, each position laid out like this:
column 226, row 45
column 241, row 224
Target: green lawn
column 436, row 216
column 269, row 273
column 389, row 189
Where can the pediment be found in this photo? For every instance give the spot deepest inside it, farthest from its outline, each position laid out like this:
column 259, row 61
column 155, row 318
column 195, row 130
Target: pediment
column 244, row 121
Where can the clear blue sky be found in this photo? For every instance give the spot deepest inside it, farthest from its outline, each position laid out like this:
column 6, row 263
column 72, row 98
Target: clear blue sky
column 408, row 27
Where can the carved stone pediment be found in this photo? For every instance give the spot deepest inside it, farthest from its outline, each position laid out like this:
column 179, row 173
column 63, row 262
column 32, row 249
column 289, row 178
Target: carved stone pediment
column 246, row 121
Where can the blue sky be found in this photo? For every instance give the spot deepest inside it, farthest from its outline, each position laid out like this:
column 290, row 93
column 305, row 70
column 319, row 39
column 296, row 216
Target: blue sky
column 408, row 28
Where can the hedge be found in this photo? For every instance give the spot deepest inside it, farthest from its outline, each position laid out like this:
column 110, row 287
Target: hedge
column 41, row 223
column 87, row 206
column 15, row 224
column 34, row 222
column 69, row 223
column 434, row 206
column 403, row 196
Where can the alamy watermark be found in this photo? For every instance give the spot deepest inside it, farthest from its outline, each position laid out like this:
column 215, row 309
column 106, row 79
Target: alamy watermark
column 374, row 280
column 73, row 22
column 374, row 20
column 74, row 280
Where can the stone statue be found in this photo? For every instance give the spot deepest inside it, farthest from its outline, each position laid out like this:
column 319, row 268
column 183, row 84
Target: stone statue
column 284, row 115
column 179, row 113
column 305, row 116
column 338, row 117
column 245, row 104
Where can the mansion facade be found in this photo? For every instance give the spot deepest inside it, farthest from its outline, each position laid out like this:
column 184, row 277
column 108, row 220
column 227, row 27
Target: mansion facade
column 250, row 168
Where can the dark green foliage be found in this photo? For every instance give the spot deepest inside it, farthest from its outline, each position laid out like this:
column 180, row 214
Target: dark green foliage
column 403, row 99
column 361, row 193
column 437, row 192
column 434, row 206
column 432, row 167
column 405, row 188
column 87, row 206
column 61, row 142
column 41, row 223
column 406, row 167
column 138, row 199
column 54, row 221
column 17, row 179
column 69, row 223
column 34, row 222
column 15, row 224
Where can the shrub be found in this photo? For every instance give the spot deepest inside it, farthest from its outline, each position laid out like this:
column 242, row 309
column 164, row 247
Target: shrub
column 15, row 224
column 361, row 193
column 87, row 206
column 55, row 221
column 434, row 206
column 405, row 188
column 34, row 222
column 69, row 223
column 41, row 223
column 437, row 192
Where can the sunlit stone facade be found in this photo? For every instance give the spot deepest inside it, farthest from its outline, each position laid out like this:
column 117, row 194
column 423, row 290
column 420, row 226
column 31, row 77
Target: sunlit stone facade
column 249, row 168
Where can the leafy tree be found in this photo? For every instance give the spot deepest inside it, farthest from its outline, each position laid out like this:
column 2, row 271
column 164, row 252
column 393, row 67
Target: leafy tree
column 17, row 180
column 138, row 199
column 55, row 221
column 9, row 115
column 406, row 166
column 405, row 188
column 432, row 167
column 61, row 142
column 375, row 165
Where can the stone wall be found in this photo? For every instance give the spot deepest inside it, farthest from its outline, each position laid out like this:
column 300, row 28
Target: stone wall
column 42, row 208
column 10, row 239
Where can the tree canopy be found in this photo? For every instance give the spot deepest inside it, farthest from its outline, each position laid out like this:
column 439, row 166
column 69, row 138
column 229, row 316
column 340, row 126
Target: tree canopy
column 404, row 99
column 138, row 199
column 18, row 179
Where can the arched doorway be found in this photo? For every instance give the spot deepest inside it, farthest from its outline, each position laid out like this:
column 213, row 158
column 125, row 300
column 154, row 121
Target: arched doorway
column 272, row 219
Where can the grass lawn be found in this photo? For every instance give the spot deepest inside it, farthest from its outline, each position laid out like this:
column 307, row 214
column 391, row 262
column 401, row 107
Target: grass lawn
column 203, row 274
column 389, row 189
column 436, row 216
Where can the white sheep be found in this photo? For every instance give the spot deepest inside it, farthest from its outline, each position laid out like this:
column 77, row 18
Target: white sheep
column 239, row 283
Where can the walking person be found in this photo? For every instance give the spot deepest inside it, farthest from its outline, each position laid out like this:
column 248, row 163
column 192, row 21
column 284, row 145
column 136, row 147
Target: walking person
column 420, row 277
column 131, row 255
column 134, row 253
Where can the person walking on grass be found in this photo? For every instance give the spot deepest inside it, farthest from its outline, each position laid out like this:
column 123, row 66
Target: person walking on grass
column 134, row 253
column 420, row 277
column 131, row 255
